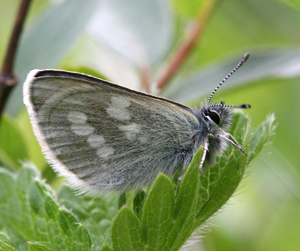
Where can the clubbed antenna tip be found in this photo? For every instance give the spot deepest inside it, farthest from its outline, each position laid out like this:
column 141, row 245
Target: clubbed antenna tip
column 246, row 56
column 245, row 106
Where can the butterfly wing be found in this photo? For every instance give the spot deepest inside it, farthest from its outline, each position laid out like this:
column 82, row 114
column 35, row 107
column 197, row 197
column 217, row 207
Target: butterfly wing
column 104, row 136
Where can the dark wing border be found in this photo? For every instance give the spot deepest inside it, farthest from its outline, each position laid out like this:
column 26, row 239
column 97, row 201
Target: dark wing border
column 89, row 78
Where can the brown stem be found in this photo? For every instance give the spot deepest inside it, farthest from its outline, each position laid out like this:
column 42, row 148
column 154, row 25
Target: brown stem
column 7, row 79
column 145, row 76
column 194, row 33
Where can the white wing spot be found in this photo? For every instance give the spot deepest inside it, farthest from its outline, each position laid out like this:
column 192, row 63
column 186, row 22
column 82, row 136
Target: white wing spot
column 96, row 141
column 82, row 129
column 104, row 152
column 130, row 130
column 77, row 117
column 120, row 102
column 79, row 125
column 118, row 113
column 117, row 109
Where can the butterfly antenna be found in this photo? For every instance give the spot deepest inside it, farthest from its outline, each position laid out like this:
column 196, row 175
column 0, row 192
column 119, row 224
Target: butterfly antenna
column 243, row 60
column 243, row 106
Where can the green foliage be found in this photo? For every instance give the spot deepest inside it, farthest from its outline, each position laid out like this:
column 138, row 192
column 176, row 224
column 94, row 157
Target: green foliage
column 96, row 214
column 5, row 243
column 37, row 247
column 12, row 144
column 30, row 211
column 136, row 37
column 163, row 219
column 191, row 9
column 4, row 246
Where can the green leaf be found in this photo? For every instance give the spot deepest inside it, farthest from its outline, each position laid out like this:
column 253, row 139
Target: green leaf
column 32, row 145
column 6, row 247
column 138, row 203
column 28, row 209
column 12, row 143
column 188, row 8
column 37, row 247
column 292, row 3
column 96, row 214
column 5, row 242
column 126, row 234
column 187, row 194
column 106, row 248
column 158, row 213
column 122, row 200
column 262, row 136
column 4, row 237
column 186, row 204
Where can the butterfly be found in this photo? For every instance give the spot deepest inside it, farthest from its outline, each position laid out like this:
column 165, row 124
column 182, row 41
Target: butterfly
column 105, row 137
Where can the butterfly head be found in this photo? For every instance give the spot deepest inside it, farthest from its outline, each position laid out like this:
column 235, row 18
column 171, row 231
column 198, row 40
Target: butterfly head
column 216, row 119
column 219, row 115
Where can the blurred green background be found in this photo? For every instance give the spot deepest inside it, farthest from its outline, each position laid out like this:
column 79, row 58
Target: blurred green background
column 122, row 39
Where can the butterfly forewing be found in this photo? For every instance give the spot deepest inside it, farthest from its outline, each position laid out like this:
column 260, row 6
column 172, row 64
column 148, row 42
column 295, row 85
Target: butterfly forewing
column 104, row 136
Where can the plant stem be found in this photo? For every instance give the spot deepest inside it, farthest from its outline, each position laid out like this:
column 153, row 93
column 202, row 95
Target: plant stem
column 145, row 77
column 7, row 79
column 194, row 33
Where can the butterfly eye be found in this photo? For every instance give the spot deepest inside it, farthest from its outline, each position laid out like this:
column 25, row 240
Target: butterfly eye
column 215, row 117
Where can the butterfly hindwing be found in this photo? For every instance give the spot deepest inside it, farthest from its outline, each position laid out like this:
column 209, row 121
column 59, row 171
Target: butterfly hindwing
column 105, row 136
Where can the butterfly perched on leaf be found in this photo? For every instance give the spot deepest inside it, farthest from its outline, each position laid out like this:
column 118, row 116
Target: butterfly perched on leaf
column 102, row 136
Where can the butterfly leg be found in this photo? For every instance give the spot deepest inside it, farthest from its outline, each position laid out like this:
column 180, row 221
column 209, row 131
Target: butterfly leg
column 205, row 150
column 231, row 142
